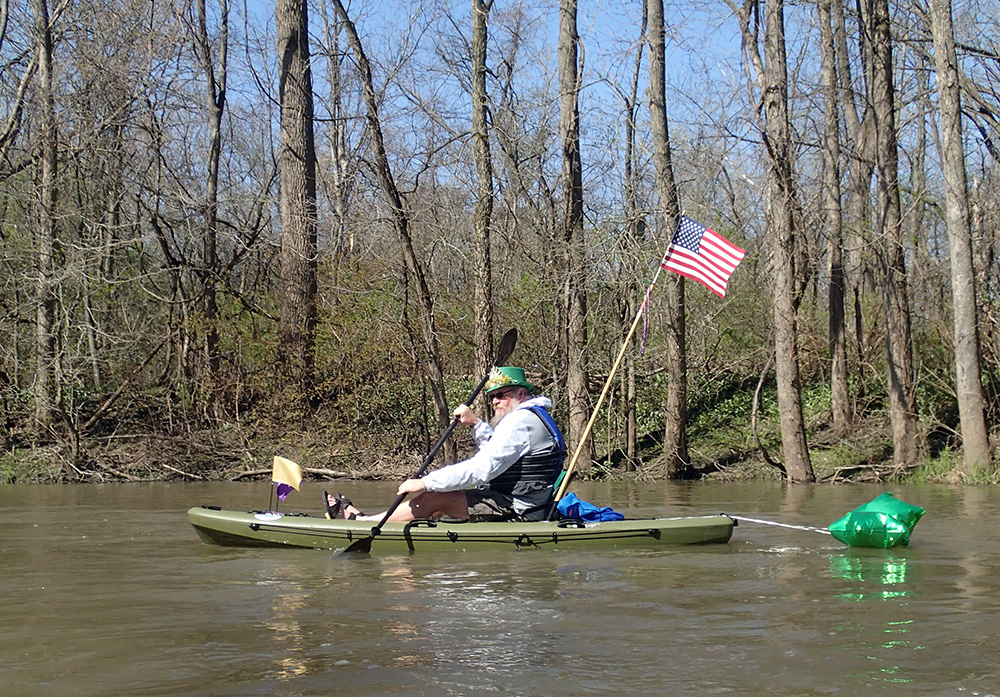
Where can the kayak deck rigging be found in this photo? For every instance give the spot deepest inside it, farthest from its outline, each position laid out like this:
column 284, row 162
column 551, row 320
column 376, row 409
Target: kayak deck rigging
column 255, row 529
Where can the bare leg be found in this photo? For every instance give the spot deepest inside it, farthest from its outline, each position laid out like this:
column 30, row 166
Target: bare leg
column 428, row 505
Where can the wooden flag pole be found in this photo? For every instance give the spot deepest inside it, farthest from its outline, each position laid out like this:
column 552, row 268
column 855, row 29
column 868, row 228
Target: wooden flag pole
column 604, row 392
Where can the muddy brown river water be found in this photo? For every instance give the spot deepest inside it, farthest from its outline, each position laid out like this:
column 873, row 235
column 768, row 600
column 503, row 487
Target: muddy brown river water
column 107, row 591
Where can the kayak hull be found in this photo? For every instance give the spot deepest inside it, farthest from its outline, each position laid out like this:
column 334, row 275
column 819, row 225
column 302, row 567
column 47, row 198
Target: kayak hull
column 268, row 529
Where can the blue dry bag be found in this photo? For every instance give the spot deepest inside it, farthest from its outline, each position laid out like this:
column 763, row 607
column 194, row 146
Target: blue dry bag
column 571, row 507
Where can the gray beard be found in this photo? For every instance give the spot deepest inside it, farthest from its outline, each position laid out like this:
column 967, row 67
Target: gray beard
column 514, row 404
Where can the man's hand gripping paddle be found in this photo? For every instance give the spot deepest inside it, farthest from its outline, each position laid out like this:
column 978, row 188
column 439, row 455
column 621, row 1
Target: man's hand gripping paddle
column 364, row 545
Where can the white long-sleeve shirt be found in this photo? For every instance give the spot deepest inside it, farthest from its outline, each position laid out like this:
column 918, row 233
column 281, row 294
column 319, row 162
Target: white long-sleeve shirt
column 499, row 448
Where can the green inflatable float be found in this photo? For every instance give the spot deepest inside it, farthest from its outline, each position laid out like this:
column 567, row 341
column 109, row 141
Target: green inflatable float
column 885, row 522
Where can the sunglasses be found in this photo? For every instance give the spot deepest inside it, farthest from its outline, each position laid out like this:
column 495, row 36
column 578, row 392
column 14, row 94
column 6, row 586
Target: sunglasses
column 503, row 394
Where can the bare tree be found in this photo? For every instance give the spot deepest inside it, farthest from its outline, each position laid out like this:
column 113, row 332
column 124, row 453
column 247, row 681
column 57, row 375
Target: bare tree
column 216, row 73
column 975, row 440
column 401, row 221
column 632, row 234
column 572, row 232
column 46, row 383
column 145, row 213
column 675, row 450
column 833, row 223
column 484, row 197
column 11, row 126
column 889, row 229
column 341, row 175
column 856, row 107
column 298, row 199
column 772, row 79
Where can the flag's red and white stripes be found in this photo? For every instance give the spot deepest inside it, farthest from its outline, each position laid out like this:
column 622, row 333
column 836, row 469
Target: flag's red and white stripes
column 702, row 255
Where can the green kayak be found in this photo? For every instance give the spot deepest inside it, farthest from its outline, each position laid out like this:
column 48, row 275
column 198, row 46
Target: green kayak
column 268, row 529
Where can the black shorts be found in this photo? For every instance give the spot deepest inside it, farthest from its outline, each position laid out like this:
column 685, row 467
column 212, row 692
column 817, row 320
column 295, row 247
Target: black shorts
column 487, row 504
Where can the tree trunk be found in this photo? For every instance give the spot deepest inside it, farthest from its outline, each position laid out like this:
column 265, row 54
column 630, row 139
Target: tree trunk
column 860, row 165
column 46, row 387
column 833, row 225
column 340, row 185
column 975, row 440
column 572, row 231
column 215, row 88
column 889, row 228
column 297, row 331
column 675, row 450
column 629, row 241
column 781, row 205
column 772, row 81
column 484, row 309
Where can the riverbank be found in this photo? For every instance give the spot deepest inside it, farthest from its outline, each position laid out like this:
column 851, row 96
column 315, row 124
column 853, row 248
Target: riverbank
column 233, row 454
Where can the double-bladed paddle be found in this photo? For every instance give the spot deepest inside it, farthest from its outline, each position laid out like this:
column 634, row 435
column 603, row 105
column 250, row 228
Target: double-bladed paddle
column 364, row 545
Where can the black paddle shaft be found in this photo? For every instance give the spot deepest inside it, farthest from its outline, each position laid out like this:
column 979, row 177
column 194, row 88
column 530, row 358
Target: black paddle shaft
column 504, row 351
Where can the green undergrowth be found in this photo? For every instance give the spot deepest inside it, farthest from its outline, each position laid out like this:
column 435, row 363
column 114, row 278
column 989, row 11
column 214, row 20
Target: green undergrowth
column 379, row 425
column 25, row 466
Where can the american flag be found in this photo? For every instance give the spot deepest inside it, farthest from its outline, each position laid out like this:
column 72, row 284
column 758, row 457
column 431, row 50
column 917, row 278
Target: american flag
column 702, row 255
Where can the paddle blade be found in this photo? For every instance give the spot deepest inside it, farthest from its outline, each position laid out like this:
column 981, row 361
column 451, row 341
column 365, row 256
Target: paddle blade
column 362, row 546
column 506, row 348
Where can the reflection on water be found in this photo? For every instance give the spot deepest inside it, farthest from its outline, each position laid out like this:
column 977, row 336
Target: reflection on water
column 286, row 610
column 880, row 579
column 889, row 633
column 116, row 596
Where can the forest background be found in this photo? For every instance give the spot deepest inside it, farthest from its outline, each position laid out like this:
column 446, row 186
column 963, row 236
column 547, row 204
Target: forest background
column 226, row 237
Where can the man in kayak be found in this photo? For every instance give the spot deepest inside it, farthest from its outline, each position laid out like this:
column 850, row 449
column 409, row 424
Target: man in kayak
column 510, row 477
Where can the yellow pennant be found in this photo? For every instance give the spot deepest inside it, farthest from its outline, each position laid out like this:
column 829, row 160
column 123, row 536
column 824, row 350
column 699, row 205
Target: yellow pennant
column 286, row 472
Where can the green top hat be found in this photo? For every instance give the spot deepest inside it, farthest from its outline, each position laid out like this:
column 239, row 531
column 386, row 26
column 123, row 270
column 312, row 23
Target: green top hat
column 507, row 377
